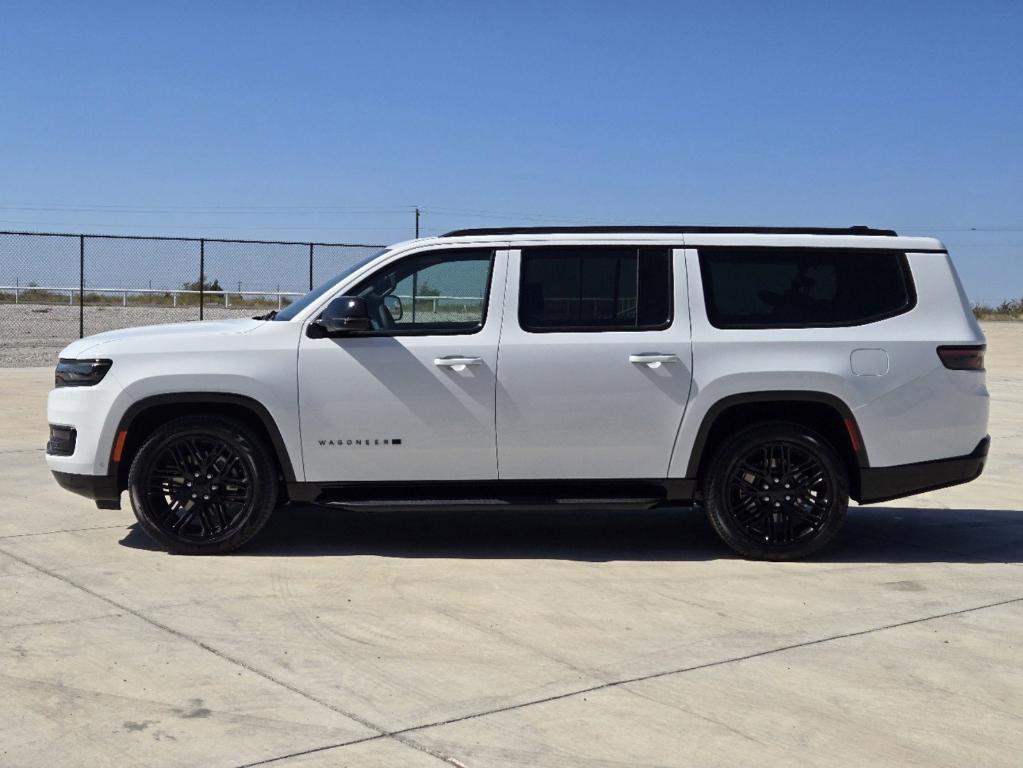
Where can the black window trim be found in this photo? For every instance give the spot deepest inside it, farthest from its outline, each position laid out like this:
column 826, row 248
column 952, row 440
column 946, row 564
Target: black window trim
column 432, row 331
column 907, row 276
column 601, row 328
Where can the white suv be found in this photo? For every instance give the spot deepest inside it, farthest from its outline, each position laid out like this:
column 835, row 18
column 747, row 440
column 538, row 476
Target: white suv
column 770, row 374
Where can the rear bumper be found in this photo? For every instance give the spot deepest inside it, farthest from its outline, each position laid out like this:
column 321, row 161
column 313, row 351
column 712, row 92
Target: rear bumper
column 886, row 483
column 100, row 488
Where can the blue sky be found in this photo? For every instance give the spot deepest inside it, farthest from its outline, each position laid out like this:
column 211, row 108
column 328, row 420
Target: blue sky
column 328, row 121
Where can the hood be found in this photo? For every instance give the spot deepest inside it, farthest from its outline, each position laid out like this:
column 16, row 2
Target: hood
column 91, row 345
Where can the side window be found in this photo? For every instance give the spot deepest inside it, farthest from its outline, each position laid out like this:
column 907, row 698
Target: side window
column 435, row 292
column 595, row 288
column 803, row 288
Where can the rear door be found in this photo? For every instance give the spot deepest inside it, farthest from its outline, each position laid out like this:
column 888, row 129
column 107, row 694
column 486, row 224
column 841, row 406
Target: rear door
column 595, row 362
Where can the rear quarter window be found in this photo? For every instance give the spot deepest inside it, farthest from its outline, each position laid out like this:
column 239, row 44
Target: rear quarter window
column 804, row 288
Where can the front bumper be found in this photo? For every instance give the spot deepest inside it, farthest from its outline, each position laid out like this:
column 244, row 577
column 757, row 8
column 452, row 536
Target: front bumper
column 100, row 488
column 93, row 413
column 886, row 483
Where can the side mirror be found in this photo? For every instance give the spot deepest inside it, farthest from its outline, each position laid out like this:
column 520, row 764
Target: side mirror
column 344, row 315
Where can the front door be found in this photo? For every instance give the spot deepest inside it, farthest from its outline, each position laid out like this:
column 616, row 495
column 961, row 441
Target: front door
column 415, row 399
column 595, row 362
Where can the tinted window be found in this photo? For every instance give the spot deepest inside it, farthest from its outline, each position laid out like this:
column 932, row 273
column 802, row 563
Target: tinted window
column 595, row 288
column 802, row 288
column 432, row 292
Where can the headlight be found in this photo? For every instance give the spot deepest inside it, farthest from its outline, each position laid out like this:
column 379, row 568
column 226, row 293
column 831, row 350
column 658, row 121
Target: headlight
column 80, row 373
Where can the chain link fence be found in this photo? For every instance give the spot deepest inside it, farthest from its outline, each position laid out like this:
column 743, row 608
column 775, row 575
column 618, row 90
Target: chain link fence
column 55, row 288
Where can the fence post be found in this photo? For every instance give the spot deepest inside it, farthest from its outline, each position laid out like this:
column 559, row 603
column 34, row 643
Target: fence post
column 202, row 274
column 81, row 286
column 310, row 266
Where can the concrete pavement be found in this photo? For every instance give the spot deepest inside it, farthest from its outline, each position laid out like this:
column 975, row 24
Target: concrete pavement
column 513, row 639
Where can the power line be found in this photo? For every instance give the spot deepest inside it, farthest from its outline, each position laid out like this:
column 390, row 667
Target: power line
column 64, row 224
column 212, row 210
column 283, row 210
column 444, row 212
column 962, row 229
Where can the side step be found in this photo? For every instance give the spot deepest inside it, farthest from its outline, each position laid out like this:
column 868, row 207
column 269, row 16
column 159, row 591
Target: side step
column 497, row 494
column 395, row 505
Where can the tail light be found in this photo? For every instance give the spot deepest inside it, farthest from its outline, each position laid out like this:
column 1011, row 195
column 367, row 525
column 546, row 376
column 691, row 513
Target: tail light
column 963, row 358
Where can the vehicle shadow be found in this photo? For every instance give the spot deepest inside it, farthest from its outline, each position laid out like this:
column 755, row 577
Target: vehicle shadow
column 872, row 534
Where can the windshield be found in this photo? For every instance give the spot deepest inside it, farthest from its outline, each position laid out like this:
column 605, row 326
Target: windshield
column 299, row 304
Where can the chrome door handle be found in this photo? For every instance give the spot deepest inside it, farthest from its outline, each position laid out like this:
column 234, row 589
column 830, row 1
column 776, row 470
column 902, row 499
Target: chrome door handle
column 653, row 360
column 457, row 363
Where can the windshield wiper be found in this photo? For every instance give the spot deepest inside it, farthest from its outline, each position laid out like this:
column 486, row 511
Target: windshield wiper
column 268, row 316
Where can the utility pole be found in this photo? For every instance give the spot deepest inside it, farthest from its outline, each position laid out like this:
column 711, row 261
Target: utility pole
column 81, row 286
column 417, row 221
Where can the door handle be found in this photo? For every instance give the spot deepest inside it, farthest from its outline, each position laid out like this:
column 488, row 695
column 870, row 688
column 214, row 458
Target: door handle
column 457, row 363
column 653, row 359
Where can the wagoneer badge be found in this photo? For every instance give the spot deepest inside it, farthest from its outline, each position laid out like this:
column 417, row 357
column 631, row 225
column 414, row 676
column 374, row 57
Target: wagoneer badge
column 363, row 442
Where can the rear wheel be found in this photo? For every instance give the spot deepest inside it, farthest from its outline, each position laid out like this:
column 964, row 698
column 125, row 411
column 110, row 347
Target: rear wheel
column 203, row 485
column 777, row 491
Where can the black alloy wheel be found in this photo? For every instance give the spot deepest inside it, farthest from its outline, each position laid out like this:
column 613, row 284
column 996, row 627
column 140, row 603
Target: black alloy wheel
column 203, row 485
column 777, row 491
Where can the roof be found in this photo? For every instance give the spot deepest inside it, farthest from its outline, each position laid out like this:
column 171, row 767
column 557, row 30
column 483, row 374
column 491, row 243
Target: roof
column 675, row 229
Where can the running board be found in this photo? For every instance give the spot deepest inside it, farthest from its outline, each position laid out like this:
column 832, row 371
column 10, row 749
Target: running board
column 395, row 505
column 483, row 495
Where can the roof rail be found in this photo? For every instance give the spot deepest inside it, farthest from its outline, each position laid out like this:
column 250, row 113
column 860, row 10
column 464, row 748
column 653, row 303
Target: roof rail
column 606, row 230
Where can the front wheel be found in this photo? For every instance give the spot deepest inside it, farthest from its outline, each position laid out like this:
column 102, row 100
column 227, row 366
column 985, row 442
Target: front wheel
column 203, row 485
column 777, row 491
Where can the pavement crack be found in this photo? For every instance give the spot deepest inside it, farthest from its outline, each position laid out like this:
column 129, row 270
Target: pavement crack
column 707, row 665
column 403, row 732
column 694, row 713
column 62, row 530
column 380, row 731
column 55, row 622
column 313, row 751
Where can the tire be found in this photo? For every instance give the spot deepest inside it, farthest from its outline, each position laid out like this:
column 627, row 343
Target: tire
column 802, row 508
column 203, row 485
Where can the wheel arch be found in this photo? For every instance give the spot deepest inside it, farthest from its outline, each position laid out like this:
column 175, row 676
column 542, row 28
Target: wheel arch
column 142, row 416
column 825, row 413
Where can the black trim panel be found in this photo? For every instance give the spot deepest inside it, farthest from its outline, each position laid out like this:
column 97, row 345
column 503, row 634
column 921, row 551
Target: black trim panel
column 62, row 440
column 783, row 396
column 200, row 398
column 96, row 487
column 487, row 494
column 886, row 483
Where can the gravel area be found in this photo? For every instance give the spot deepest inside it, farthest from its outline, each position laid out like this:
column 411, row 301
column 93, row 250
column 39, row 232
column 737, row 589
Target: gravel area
column 34, row 334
